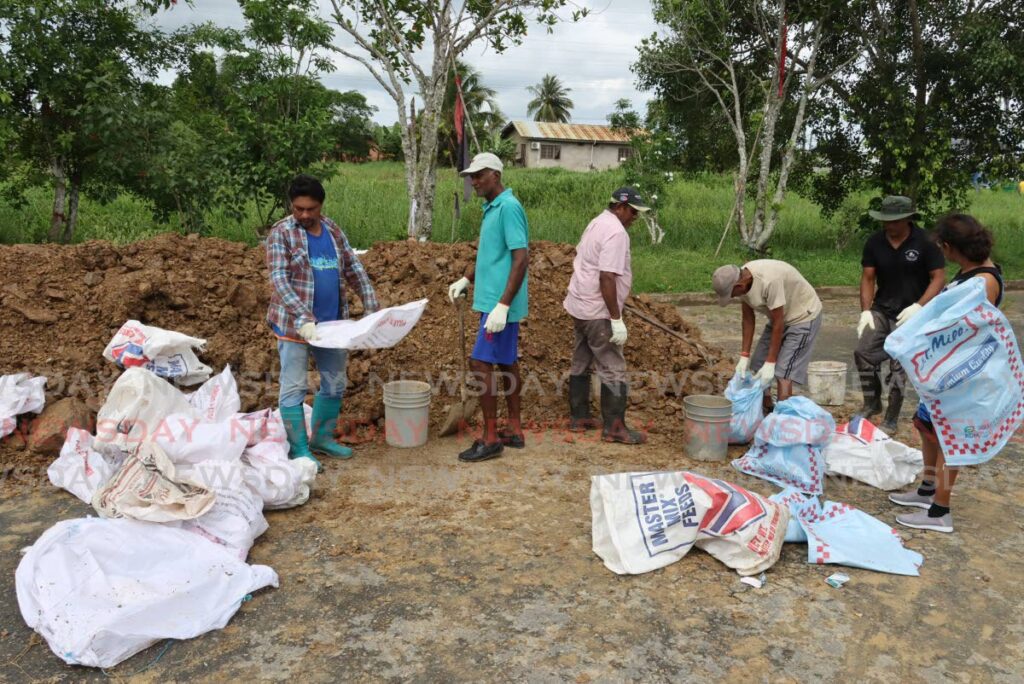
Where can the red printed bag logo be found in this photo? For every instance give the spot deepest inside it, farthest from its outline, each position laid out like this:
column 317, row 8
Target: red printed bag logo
column 942, row 344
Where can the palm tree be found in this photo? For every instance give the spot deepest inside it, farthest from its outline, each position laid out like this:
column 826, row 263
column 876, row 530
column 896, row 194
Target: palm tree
column 550, row 100
column 481, row 109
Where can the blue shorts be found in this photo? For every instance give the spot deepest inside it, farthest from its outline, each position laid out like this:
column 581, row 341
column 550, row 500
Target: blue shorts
column 500, row 348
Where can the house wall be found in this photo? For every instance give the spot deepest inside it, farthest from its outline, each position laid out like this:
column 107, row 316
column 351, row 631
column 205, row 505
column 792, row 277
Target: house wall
column 575, row 156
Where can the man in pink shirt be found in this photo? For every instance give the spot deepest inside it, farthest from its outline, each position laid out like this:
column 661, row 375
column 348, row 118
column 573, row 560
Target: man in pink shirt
column 600, row 283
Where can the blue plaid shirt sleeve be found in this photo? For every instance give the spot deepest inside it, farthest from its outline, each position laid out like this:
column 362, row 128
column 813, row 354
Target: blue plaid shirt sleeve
column 277, row 264
column 355, row 275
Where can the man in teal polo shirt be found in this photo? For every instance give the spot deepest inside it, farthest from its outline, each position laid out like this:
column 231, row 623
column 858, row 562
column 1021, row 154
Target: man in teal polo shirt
column 499, row 295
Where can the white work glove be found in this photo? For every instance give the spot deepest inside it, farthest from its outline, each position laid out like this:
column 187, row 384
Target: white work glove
column 457, row 289
column 743, row 366
column 618, row 332
column 497, row 319
column 766, row 374
column 867, row 320
column 908, row 313
column 307, row 331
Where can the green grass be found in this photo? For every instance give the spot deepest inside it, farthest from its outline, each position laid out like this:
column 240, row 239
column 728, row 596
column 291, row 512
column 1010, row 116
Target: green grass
column 369, row 202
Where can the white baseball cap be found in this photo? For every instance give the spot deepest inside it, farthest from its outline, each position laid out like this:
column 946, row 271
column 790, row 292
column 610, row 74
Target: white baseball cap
column 484, row 160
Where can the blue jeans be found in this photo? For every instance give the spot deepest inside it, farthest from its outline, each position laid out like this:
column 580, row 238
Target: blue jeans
column 295, row 363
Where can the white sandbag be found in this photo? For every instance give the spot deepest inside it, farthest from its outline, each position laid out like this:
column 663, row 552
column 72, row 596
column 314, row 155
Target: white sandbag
column 166, row 353
column 19, row 393
column 147, row 487
column 136, row 408
column 864, row 452
column 645, row 521
column 99, row 591
column 217, row 400
column 236, row 517
column 82, row 470
column 379, row 330
column 188, row 440
column 281, row 482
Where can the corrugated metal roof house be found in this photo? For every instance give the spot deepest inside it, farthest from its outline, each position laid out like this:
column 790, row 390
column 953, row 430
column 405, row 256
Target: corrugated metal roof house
column 579, row 147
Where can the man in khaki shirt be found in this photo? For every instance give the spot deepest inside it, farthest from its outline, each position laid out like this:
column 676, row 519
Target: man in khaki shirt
column 778, row 291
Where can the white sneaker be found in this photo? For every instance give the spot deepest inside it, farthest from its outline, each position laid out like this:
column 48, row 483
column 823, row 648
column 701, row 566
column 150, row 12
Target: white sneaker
column 911, row 498
column 921, row 521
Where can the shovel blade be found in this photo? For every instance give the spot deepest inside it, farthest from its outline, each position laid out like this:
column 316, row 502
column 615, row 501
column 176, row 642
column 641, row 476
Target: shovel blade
column 458, row 416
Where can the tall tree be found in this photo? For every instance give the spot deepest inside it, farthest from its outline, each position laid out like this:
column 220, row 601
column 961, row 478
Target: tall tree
column 412, row 45
column 753, row 61
column 938, row 95
column 352, row 129
column 273, row 117
column 550, row 101
column 74, row 72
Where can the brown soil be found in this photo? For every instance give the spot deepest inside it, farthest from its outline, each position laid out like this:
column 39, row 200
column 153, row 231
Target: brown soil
column 62, row 304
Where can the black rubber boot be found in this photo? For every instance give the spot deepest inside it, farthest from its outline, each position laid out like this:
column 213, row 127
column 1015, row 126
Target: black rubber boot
column 613, row 410
column 580, row 418
column 892, row 412
column 872, row 387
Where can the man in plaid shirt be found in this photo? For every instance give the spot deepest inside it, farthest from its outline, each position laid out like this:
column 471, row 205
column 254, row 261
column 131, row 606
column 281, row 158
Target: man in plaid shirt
column 310, row 262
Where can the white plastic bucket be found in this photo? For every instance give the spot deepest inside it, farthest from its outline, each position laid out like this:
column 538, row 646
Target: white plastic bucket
column 707, row 426
column 827, row 382
column 406, row 413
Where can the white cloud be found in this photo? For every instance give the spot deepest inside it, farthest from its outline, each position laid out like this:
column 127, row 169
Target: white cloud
column 592, row 57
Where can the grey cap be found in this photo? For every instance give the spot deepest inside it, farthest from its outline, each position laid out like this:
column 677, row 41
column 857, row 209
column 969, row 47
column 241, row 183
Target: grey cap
column 894, row 208
column 723, row 280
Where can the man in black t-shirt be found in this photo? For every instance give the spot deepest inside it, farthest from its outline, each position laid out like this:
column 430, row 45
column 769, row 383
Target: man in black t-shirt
column 909, row 269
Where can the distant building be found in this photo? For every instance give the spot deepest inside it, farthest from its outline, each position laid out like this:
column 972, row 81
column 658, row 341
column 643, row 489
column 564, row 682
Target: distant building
column 577, row 147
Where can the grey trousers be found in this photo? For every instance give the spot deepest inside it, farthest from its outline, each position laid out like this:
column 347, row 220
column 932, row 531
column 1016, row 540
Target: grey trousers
column 795, row 352
column 592, row 349
column 870, row 354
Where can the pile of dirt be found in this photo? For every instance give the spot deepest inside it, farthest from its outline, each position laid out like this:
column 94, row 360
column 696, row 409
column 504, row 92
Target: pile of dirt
column 62, row 304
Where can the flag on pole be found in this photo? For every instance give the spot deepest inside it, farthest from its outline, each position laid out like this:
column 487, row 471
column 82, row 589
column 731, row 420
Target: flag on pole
column 461, row 140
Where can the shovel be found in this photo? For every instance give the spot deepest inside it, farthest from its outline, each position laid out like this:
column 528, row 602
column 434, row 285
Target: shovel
column 460, row 412
column 664, row 328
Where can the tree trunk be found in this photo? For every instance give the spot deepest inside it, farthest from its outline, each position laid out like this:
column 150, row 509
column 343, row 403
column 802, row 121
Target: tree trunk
column 72, row 222
column 912, row 173
column 60, row 188
column 424, row 164
column 772, row 109
column 789, row 153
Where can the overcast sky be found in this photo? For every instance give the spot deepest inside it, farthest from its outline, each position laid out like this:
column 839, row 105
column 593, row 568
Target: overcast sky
column 592, row 57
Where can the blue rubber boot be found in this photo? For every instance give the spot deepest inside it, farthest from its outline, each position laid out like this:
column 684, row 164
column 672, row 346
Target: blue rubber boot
column 325, row 417
column 294, row 418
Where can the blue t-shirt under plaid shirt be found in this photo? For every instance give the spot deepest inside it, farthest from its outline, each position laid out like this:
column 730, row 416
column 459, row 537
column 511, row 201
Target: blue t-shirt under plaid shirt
column 326, row 277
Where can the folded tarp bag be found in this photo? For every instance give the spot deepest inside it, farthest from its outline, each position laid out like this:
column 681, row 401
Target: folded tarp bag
column 217, row 400
column 645, row 521
column 167, row 353
column 864, row 452
column 19, row 393
column 839, row 534
column 788, row 446
column 962, row 357
column 137, row 407
column 99, row 591
column 81, row 469
column 745, row 393
column 147, row 487
column 236, row 517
